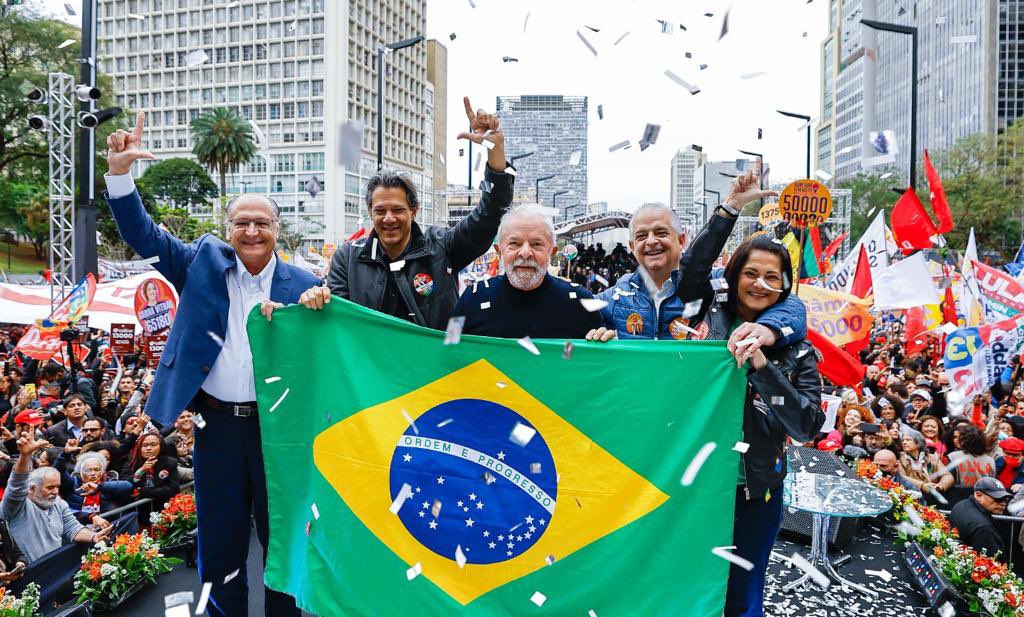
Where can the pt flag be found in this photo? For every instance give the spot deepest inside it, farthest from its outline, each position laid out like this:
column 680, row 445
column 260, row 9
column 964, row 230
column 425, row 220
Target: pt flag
column 911, row 224
column 1002, row 295
column 406, row 476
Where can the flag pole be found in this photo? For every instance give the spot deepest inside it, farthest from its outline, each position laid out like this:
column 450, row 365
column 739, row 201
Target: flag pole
column 799, row 259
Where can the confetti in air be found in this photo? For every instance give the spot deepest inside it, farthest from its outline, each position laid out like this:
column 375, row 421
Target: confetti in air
column 723, row 552
column 283, row 395
column 698, row 461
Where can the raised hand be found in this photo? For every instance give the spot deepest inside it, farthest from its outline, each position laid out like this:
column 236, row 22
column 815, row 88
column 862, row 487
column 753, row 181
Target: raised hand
column 72, row 446
column 124, row 148
column 745, row 189
column 27, row 443
column 480, row 122
column 484, row 126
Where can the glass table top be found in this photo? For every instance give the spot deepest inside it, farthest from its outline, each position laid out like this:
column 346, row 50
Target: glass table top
column 833, row 495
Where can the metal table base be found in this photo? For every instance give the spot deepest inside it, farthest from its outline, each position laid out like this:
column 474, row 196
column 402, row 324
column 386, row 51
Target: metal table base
column 819, row 559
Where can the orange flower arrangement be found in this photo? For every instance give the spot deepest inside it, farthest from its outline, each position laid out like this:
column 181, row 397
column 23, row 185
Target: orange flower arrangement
column 109, row 572
column 176, row 520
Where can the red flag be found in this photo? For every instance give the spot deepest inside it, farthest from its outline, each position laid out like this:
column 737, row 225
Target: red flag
column 938, row 196
column 816, row 242
column 916, row 340
column 359, row 233
column 833, row 247
column 862, row 276
column 949, row 308
column 836, row 365
column 911, row 224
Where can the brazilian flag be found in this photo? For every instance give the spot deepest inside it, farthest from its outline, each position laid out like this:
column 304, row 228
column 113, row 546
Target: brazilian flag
column 410, row 477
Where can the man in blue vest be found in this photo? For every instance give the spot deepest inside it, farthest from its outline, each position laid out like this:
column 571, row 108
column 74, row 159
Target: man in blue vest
column 668, row 296
column 207, row 364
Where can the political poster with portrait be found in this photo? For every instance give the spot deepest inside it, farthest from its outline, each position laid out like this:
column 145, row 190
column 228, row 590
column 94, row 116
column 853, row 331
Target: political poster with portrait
column 155, row 306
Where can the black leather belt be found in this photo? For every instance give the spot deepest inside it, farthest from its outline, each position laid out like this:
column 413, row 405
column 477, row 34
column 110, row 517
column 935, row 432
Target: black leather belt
column 239, row 410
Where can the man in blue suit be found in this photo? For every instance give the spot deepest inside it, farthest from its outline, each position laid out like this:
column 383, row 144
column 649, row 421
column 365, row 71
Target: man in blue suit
column 207, row 364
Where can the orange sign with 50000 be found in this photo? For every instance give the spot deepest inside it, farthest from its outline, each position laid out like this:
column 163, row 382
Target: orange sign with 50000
column 805, row 203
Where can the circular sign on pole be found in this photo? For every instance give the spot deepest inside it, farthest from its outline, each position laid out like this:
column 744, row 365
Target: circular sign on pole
column 768, row 214
column 569, row 252
column 805, row 203
column 155, row 306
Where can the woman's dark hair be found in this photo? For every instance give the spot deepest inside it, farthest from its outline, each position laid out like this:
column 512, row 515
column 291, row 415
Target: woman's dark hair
column 972, row 440
column 949, row 431
column 51, row 454
column 392, row 179
column 135, row 460
column 742, row 255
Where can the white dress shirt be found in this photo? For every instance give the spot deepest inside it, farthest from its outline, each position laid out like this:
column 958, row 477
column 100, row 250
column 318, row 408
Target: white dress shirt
column 230, row 378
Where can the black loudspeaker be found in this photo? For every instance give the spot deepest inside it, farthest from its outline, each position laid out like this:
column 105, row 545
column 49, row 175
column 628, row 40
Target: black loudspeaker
column 797, row 524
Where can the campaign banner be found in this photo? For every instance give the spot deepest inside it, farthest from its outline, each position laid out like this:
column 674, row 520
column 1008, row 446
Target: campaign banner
column 406, row 476
column 42, row 340
column 839, row 317
column 975, row 357
column 1002, row 295
column 122, row 338
column 155, row 305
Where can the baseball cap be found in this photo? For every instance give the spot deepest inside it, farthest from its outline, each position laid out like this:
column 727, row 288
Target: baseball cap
column 32, row 417
column 926, row 395
column 1012, row 445
column 992, row 487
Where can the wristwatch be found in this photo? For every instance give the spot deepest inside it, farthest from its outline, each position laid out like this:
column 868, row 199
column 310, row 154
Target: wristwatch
column 729, row 209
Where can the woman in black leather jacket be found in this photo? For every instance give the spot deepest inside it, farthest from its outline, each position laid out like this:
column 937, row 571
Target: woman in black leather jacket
column 783, row 398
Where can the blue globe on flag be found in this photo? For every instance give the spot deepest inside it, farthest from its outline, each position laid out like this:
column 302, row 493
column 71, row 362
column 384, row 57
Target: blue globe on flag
column 472, row 478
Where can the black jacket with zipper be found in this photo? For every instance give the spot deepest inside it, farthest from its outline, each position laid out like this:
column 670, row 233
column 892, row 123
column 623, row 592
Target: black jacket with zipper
column 428, row 280
column 783, row 398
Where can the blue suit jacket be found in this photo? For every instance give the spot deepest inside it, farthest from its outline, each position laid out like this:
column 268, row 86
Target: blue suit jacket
column 197, row 271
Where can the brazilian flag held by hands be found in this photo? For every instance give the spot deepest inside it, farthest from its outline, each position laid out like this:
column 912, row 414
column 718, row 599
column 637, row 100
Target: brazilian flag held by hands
column 410, row 477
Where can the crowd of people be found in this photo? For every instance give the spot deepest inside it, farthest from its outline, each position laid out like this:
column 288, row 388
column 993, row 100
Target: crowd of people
column 75, row 447
column 597, row 270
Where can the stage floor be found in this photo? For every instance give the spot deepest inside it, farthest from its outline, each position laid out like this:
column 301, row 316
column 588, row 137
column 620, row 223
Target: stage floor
column 872, row 549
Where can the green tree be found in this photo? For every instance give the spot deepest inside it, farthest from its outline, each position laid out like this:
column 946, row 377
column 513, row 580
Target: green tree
column 182, row 225
column 223, row 142
column 291, row 238
column 178, row 183
column 869, row 193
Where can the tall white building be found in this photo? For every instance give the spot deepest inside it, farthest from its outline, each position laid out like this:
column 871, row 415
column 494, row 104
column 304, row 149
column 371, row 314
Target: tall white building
column 683, row 167
column 299, row 69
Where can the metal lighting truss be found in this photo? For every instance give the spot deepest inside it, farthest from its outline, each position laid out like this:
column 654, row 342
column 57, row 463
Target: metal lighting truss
column 61, row 137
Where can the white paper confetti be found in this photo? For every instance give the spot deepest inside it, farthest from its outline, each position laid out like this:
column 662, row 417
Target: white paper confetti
column 550, row 559
column 602, row 280
column 216, row 339
column 444, row 423
column 453, row 332
column 575, row 157
column 572, row 295
column 271, row 379
column 199, row 421
column 883, row 574
column 460, row 557
column 764, row 283
column 592, row 305
column 741, row 447
column 484, row 306
column 204, row 598
column 752, row 75
column 723, row 552
column 414, row 571
column 403, row 495
column 228, row 578
column 619, row 40
column 682, row 82
column 279, row 400
column 435, row 508
column 487, row 143
column 412, row 423
column 619, row 146
column 692, row 308
column 586, row 42
column 528, row 345
column 567, row 352
column 316, row 513
column 521, row 434
column 746, row 341
column 501, row 384
column 397, row 265
column 800, row 562
column 778, row 400
column 535, row 467
column 698, row 461
column 538, row 598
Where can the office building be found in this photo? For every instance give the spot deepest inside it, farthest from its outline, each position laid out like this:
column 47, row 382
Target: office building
column 298, row 69
column 967, row 79
column 437, row 125
column 681, row 189
column 554, row 128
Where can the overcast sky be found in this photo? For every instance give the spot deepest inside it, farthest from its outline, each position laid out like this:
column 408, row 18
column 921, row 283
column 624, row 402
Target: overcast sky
column 628, row 79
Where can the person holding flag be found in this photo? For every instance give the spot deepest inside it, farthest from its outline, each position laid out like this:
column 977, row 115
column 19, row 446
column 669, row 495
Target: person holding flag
column 207, row 363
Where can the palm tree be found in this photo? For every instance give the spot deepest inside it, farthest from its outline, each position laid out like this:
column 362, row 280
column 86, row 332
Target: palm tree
column 223, row 142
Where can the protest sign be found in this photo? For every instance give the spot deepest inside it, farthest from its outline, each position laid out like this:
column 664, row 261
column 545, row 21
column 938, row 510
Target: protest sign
column 122, row 338
column 840, row 318
column 1002, row 295
column 805, row 203
column 153, row 347
column 42, row 340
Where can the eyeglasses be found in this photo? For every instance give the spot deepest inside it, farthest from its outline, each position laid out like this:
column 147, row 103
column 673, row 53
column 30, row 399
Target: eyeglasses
column 90, row 430
column 261, row 224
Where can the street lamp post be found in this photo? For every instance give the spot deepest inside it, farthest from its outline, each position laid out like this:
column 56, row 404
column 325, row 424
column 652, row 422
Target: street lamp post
column 383, row 50
column 912, row 31
column 806, row 119
column 554, row 196
column 512, row 159
column 536, row 184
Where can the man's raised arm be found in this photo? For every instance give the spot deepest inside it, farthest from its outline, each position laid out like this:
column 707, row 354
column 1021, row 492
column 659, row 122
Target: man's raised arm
column 134, row 224
column 473, row 235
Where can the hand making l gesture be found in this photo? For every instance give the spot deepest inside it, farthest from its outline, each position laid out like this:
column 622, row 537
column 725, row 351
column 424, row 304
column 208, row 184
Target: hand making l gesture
column 484, row 126
column 124, row 148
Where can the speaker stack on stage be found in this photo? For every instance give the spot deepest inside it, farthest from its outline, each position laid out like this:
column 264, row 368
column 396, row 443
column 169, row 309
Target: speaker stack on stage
column 797, row 524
